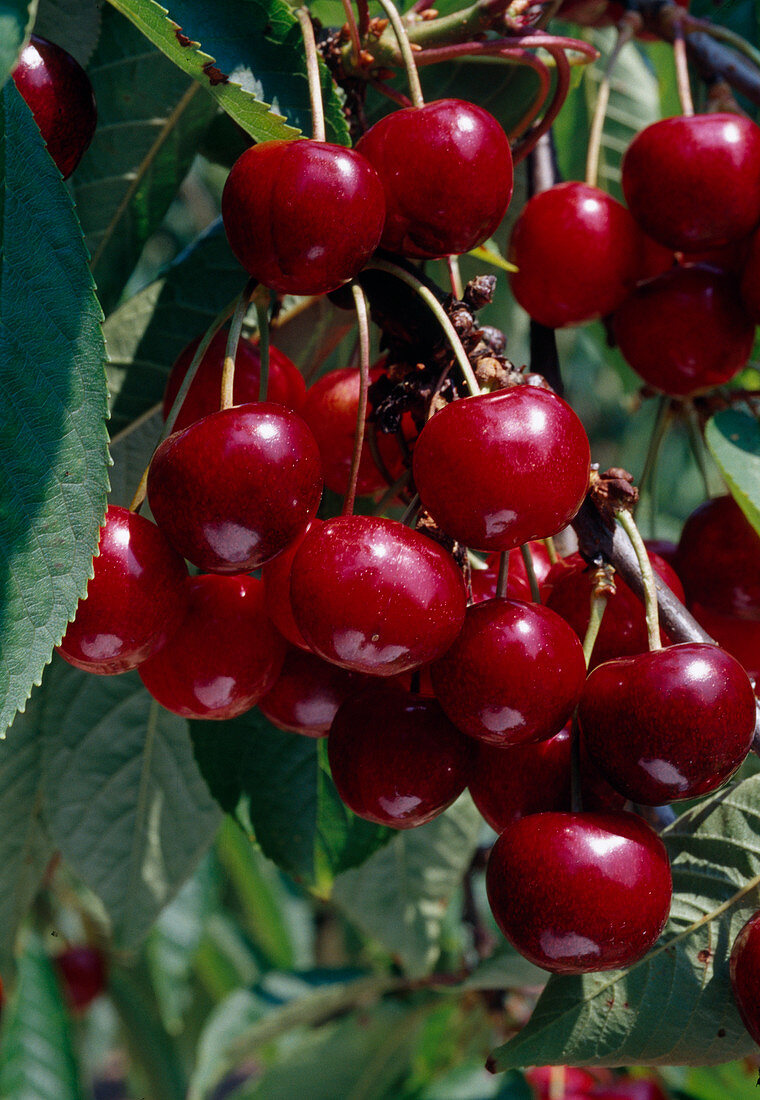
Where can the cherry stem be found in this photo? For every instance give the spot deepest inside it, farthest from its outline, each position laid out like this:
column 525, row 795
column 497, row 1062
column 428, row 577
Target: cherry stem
column 625, row 33
column 391, row 493
column 362, row 6
column 503, row 576
column 682, row 69
column 391, row 93
column 436, row 308
column 410, row 513
column 405, row 46
column 604, row 587
column 262, row 323
column 312, row 73
column 551, row 549
column 452, row 263
column 627, row 522
column 230, row 353
column 362, row 319
column 648, row 479
column 353, row 33
column 187, row 381
column 530, row 569
column 697, row 446
column 561, row 89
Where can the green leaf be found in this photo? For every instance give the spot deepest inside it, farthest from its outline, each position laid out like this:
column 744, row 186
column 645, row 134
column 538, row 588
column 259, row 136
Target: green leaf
column 52, row 387
column 124, row 800
column 16, row 20
column 36, row 1052
column 74, row 25
column 733, row 438
column 143, row 147
column 400, row 895
column 675, row 1007
column 247, row 54
column 24, row 844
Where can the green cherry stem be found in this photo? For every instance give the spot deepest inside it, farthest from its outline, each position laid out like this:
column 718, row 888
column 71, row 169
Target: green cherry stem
column 604, row 587
column 312, row 73
column 627, row 522
column 261, row 302
column 415, row 88
column 452, row 262
column 503, row 575
column 435, row 307
column 648, row 479
column 233, row 339
column 362, row 319
column 410, row 514
column 530, row 569
column 625, row 34
column 551, row 549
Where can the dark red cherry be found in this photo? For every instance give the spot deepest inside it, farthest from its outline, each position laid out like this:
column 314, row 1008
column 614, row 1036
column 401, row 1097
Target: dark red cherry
column 685, row 331
column 286, row 385
column 744, row 968
column 307, row 693
column 574, row 1083
column 59, row 95
column 508, row 783
column 135, row 600
column 374, row 596
column 750, row 279
column 555, row 229
column 719, row 559
column 740, row 637
column 237, row 487
column 667, row 725
column 330, row 410
column 83, row 973
column 447, row 173
column 276, row 577
column 225, row 656
column 303, row 217
column 514, row 673
column 395, row 757
column 503, row 468
column 576, row 893
column 677, row 173
column 640, row 1089
column 667, row 551
column 624, row 627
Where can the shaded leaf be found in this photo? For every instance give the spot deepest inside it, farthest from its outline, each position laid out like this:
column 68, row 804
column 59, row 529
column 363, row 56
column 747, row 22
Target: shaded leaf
column 72, row 24
column 52, row 387
column 16, row 19
column 733, row 438
column 399, row 896
column 675, row 1007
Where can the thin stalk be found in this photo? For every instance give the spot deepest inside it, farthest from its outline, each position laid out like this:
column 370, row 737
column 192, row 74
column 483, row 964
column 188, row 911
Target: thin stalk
column 411, row 511
column 391, row 493
column 697, row 446
column 455, row 277
column 530, row 569
column 625, row 33
column 230, row 354
column 626, row 521
column 503, row 577
column 682, row 69
column 648, row 479
column 362, row 6
column 561, row 89
column 353, row 33
column 262, row 323
column 312, row 73
column 362, row 318
column 551, row 550
column 415, row 88
column 435, row 306
column 604, row 587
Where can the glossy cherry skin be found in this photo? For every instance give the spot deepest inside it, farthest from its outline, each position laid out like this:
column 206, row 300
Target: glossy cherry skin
column 59, row 95
column 330, row 410
column 235, row 488
column 624, row 627
column 83, row 973
column 514, row 673
column 276, row 577
column 135, row 600
column 744, row 968
column 685, row 331
column 414, row 151
column 508, row 783
column 286, row 385
column 307, row 693
column 740, row 637
column 576, row 893
column 668, row 725
column 225, row 656
column 374, row 596
column 395, row 757
column 487, row 468
column 719, row 559
column 678, row 172
column 303, row 217
column 558, row 226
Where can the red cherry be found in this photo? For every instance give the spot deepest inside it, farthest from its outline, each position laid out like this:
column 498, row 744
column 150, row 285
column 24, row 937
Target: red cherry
column 395, row 757
column 503, row 468
column 330, row 410
column 744, row 968
column 677, row 173
column 740, row 637
column 302, row 217
column 667, row 725
column 624, row 627
column 374, row 596
column 414, row 150
column 286, row 385
column 514, row 673
column 135, row 600
column 226, row 655
column 59, row 95
column 685, row 331
column 640, row 1089
column 235, row 488
column 484, row 582
column 83, row 973
column 508, row 783
column 307, row 694
column 556, row 228
column 719, row 559
column 750, row 279
column 576, row 893
column 276, row 577
column 543, row 1079
column 666, row 551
